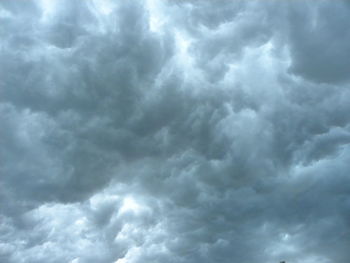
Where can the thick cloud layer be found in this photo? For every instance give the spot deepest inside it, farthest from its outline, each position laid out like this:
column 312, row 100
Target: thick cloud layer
column 174, row 131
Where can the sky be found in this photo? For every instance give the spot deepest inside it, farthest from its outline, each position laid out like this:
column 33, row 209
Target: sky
column 164, row 131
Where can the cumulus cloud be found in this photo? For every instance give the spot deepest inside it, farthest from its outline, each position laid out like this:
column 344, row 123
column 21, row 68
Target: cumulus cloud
column 174, row 131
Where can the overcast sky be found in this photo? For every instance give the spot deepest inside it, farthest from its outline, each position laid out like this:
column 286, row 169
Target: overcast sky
column 164, row 131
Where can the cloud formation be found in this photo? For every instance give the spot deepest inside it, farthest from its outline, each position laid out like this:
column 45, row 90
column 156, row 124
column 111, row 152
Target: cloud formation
column 174, row 131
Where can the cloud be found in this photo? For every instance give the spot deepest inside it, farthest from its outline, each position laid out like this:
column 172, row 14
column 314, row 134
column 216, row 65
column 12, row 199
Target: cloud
column 151, row 131
column 317, row 40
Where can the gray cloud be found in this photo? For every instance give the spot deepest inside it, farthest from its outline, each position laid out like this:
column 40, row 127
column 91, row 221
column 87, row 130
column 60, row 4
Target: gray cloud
column 318, row 39
column 151, row 131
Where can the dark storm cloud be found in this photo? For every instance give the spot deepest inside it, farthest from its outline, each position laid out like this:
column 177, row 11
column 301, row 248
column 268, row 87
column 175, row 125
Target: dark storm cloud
column 84, row 91
column 318, row 37
column 174, row 131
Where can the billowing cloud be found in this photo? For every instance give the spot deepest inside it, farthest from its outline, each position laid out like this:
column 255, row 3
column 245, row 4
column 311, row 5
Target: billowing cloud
column 174, row 131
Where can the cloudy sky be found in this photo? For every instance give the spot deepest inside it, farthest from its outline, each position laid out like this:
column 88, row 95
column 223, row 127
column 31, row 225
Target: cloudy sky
column 164, row 131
